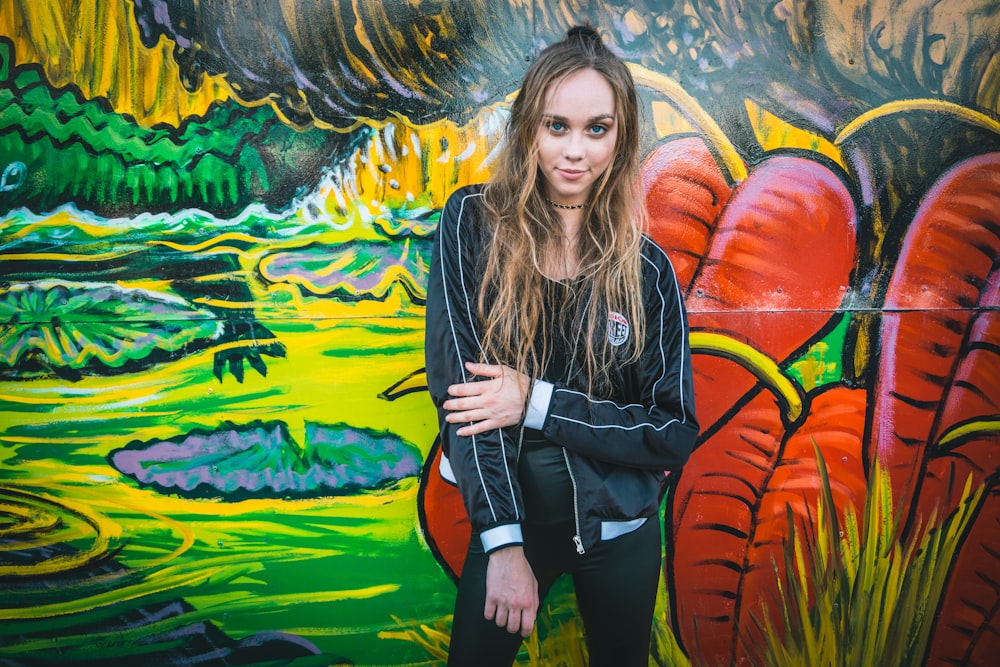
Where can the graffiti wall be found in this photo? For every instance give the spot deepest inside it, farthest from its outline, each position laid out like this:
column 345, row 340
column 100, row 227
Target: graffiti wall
column 216, row 445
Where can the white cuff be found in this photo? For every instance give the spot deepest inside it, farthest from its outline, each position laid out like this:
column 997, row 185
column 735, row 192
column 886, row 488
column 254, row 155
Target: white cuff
column 501, row 536
column 538, row 404
column 444, row 467
column 612, row 529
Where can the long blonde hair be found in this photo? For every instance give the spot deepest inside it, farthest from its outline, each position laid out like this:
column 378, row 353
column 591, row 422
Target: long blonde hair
column 525, row 231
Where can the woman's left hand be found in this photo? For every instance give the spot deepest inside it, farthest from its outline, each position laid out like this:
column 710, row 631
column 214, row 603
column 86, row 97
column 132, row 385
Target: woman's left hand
column 490, row 404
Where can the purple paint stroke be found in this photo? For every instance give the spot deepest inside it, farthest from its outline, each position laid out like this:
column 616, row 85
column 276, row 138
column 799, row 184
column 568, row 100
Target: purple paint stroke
column 263, row 460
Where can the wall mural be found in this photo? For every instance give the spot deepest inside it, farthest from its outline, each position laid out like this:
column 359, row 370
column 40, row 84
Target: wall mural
column 216, row 446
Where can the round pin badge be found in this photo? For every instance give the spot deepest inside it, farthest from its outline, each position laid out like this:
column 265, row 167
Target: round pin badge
column 618, row 329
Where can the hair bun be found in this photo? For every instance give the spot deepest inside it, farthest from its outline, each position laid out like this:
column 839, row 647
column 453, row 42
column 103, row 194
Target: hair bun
column 583, row 32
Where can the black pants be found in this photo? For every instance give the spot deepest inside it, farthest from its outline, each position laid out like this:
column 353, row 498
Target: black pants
column 615, row 584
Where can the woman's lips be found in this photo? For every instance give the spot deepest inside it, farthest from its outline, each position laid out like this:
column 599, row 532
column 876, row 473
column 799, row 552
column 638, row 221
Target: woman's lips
column 571, row 174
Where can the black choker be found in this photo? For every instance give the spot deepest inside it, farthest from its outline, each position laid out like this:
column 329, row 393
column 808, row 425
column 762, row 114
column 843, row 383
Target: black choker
column 564, row 206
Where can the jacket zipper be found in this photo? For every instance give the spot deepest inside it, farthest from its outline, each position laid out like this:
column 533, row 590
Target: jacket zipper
column 577, row 540
column 576, row 505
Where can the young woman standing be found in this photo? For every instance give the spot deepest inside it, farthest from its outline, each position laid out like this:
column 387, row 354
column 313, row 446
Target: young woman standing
column 557, row 356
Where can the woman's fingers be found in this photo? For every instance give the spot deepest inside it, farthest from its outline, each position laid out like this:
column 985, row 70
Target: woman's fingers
column 487, row 404
column 511, row 591
column 501, row 616
column 484, row 370
column 475, row 428
column 466, row 400
column 467, row 389
column 477, row 387
column 491, row 371
column 514, row 621
column 482, row 402
column 527, row 622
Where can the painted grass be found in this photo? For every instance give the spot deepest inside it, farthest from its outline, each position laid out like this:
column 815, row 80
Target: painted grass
column 865, row 598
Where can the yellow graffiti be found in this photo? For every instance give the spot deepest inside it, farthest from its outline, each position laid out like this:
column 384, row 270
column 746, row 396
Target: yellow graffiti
column 256, row 601
column 813, row 367
column 407, row 166
column 95, row 45
column 415, row 381
column 667, row 120
column 690, row 109
column 391, row 276
column 64, row 257
column 756, row 362
column 169, row 579
column 902, row 106
column 288, row 298
column 36, row 520
column 59, row 340
column 21, row 520
column 209, row 243
column 988, row 427
column 773, row 132
column 221, row 303
column 186, row 533
column 58, row 220
column 239, row 344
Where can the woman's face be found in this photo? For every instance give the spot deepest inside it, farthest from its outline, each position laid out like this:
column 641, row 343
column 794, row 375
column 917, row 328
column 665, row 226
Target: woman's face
column 577, row 136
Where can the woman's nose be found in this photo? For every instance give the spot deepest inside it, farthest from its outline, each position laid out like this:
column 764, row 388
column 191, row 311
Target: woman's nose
column 574, row 147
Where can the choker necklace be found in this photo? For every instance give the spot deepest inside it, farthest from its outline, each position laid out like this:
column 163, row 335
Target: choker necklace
column 564, row 206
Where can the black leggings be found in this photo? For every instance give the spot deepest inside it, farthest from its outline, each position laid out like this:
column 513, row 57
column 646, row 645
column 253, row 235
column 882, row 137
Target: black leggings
column 615, row 584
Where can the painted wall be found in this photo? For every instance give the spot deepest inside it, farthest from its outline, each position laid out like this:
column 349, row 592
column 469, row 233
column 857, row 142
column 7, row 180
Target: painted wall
column 216, row 445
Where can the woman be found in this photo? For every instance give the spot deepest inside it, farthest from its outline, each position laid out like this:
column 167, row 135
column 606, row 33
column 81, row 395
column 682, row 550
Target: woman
column 558, row 359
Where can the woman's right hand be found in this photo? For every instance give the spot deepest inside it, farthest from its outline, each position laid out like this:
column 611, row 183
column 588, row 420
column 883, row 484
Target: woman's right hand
column 511, row 591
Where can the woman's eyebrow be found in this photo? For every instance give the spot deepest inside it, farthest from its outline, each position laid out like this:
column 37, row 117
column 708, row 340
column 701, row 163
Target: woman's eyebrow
column 564, row 120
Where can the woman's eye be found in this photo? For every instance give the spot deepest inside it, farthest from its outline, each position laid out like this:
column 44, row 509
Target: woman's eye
column 556, row 126
column 598, row 129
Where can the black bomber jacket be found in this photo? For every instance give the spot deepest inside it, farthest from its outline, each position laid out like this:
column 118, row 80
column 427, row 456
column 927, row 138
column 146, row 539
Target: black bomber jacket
column 617, row 447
